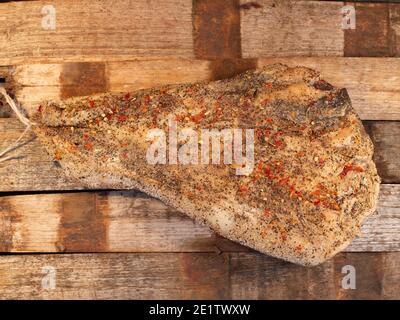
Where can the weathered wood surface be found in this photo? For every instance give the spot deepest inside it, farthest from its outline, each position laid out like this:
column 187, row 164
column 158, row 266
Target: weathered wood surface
column 314, row 28
column 194, row 276
column 202, row 28
column 95, row 28
column 134, row 222
column 292, row 28
column 385, row 135
column 373, row 83
column 32, row 169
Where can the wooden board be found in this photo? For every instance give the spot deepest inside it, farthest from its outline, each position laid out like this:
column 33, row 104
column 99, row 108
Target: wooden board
column 292, row 28
column 373, row 85
column 134, row 222
column 92, row 28
column 314, row 28
column 204, row 29
column 194, row 276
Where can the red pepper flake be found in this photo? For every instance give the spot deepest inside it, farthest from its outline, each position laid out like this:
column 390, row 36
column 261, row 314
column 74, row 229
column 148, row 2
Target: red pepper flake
column 40, row 108
column 284, row 181
column 278, row 143
column 268, row 84
column 189, row 90
column 92, row 103
column 317, row 202
column 265, row 102
column 124, row 154
column 127, row 96
column 196, row 118
column 88, row 146
column 58, row 155
column 267, row 212
column 299, row 248
column 243, row 188
column 269, row 120
column 109, row 117
column 85, row 136
column 97, row 120
column 180, row 117
column 122, row 118
column 284, row 236
column 292, row 191
column 146, row 99
column 267, row 173
column 348, row 167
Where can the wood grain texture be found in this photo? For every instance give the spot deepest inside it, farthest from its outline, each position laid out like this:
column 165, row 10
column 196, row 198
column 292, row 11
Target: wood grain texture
column 96, row 28
column 373, row 83
column 134, row 222
column 292, row 28
column 195, row 276
column 216, row 29
column 371, row 36
column 385, row 135
column 394, row 13
column 32, row 169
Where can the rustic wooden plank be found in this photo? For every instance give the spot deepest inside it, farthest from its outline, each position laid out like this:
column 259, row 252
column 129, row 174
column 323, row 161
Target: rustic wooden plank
column 91, row 28
column 385, row 135
column 394, row 12
column 216, row 28
column 381, row 232
column 373, row 83
column 32, row 169
column 371, row 36
column 292, row 28
column 134, row 222
column 194, row 276
column 37, row 82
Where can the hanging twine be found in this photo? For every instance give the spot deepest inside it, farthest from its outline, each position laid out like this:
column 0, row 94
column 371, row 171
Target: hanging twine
column 28, row 124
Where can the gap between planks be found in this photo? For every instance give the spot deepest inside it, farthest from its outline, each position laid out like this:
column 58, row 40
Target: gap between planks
column 130, row 221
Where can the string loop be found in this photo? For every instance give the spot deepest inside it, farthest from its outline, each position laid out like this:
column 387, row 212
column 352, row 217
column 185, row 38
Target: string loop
column 28, row 124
